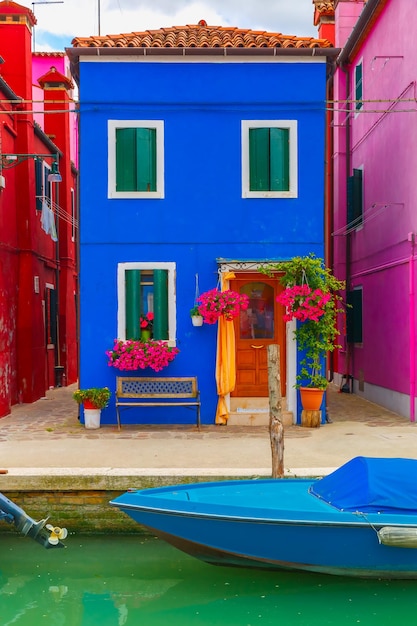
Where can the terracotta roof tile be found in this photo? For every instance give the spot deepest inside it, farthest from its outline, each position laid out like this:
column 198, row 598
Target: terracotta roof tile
column 324, row 5
column 200, row 36
column 322, row 8
column 49, row 54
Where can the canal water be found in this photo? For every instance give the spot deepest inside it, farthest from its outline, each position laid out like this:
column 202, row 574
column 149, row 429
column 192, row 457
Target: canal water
column 136, row 581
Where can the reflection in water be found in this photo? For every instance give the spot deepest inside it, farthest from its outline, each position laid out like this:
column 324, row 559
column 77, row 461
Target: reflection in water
column 132, row 581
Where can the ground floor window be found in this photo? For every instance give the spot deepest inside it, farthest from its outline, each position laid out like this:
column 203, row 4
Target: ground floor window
column 147, row 290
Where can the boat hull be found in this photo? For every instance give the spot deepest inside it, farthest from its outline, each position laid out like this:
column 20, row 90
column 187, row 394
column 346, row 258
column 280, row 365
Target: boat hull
column 230, row 524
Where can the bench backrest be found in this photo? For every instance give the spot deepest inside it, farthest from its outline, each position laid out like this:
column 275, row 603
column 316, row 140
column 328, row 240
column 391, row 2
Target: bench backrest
column 128, row 387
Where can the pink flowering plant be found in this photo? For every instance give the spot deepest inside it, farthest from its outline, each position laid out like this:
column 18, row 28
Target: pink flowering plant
column 146, row 321
column 303, row 303
column 214, row 303
column 133, row 354
column 311, row 296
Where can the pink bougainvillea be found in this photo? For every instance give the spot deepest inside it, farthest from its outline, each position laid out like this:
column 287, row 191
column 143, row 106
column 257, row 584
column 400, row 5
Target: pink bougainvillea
column 134, row 355
column 213, row 304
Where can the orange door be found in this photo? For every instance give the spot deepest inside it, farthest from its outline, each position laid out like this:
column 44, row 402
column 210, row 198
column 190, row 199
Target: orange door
column 256, row 328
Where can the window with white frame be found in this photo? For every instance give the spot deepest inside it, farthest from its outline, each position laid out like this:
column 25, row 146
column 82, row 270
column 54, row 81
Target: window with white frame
column 146, row 288
column 269, row 159
column 135, row 159
column 359, row 86
column 42, row 184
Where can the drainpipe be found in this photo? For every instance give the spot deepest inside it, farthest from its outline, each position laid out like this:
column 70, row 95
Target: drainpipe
column 411, row 239
column 349, row 353
column 329, row 204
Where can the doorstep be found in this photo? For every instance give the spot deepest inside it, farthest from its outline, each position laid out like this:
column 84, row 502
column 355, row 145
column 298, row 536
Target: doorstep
column 255, row 412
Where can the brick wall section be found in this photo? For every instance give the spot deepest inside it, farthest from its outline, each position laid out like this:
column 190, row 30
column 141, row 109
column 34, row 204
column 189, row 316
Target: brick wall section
column 78, row 511
column 81, row 503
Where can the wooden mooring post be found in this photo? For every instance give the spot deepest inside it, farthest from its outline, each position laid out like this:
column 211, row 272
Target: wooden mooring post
column 276, row 428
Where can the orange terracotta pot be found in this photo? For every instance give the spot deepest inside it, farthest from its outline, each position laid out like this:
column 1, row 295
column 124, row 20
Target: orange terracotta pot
column 311, row 398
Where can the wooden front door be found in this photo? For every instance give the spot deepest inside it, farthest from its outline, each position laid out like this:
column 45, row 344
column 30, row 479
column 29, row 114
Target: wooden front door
column 256, row 328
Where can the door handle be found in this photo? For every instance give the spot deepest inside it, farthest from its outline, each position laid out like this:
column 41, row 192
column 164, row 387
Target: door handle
column 257, row 347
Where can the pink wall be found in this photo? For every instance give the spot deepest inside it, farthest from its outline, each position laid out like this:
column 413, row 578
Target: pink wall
column 41, row 64
column 383, row 139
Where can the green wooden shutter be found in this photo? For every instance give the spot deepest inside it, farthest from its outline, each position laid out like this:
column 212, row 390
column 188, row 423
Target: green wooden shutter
column 160, row 326
column 132, row 306
column 135, row 159
column 279, row 159
column 259, row 159
column 126, row 159
column 53, row 315
column 146, row 159
column 355, row 198
column 38, row 183
column 358, row 87
column 354, row 316
column 47, row 184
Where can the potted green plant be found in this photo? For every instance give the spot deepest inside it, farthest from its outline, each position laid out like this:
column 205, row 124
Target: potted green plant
column 196, row 317
column 146, row 325
column 311, row 297
column 93, row 400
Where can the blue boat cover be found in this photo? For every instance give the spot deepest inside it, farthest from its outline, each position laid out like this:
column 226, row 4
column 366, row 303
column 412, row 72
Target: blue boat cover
column 371, row 484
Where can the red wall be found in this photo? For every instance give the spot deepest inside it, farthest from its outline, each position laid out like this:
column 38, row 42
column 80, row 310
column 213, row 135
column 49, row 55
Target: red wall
column 30, row 261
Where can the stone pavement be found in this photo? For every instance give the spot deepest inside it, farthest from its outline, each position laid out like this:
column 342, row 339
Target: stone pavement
column 46, row 437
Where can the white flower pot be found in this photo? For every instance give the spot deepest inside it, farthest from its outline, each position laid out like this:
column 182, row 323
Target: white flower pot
column 197, row 320
column 92, row 418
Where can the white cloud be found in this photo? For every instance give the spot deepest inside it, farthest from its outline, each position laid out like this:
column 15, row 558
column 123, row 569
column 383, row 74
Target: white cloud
column 59, row 22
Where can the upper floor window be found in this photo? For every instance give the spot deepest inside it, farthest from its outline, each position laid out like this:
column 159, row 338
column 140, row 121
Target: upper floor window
column 136, row 159
column 43, row 186
column 146, row 288
column 354, row 316
column 355, row 199
column 358, row 86
column 269, row 159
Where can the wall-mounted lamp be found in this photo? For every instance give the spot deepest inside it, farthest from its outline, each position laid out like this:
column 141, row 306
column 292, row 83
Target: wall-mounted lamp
column 54, row 176
column 10, row 160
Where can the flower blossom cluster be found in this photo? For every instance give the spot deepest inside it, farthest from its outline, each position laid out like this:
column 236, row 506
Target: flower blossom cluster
column 213, row 304
column 302, row 303
column 146, row 321
column 134, row 355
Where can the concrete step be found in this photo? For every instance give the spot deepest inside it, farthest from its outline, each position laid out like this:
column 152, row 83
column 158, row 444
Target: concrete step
column 256, row 417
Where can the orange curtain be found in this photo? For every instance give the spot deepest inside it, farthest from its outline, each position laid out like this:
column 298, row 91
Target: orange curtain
column 225, row 359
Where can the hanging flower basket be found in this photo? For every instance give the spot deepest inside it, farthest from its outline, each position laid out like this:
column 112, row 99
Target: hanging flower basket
column 196, row 317
column 133, row 355
column 302, row 303
column 311, row 296
column 213, row 304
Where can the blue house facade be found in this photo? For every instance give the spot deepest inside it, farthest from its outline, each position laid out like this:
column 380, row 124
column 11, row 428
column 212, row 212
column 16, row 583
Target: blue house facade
column 202, row 158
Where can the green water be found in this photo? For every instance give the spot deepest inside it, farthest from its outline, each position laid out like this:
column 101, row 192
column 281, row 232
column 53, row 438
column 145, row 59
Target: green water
column 128, row 580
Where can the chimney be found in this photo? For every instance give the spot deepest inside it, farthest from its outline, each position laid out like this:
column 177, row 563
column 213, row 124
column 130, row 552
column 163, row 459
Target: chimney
column 324, row 19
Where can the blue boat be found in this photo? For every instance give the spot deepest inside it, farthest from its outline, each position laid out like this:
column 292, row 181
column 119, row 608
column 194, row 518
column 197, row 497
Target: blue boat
column 47, row 535
column 360, row 520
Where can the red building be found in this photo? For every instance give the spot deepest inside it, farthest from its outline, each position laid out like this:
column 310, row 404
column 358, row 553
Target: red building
column 38, row 211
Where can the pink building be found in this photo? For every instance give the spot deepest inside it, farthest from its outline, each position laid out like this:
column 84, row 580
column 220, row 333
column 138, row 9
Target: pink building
column 375, row 198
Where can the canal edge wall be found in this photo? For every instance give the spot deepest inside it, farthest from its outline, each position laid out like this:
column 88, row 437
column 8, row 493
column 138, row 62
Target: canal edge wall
column 78, row 499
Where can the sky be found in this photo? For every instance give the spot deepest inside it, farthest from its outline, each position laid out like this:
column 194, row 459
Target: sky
column 58, row 22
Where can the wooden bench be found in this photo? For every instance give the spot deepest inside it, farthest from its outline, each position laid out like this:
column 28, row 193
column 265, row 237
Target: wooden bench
column 132, row 392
